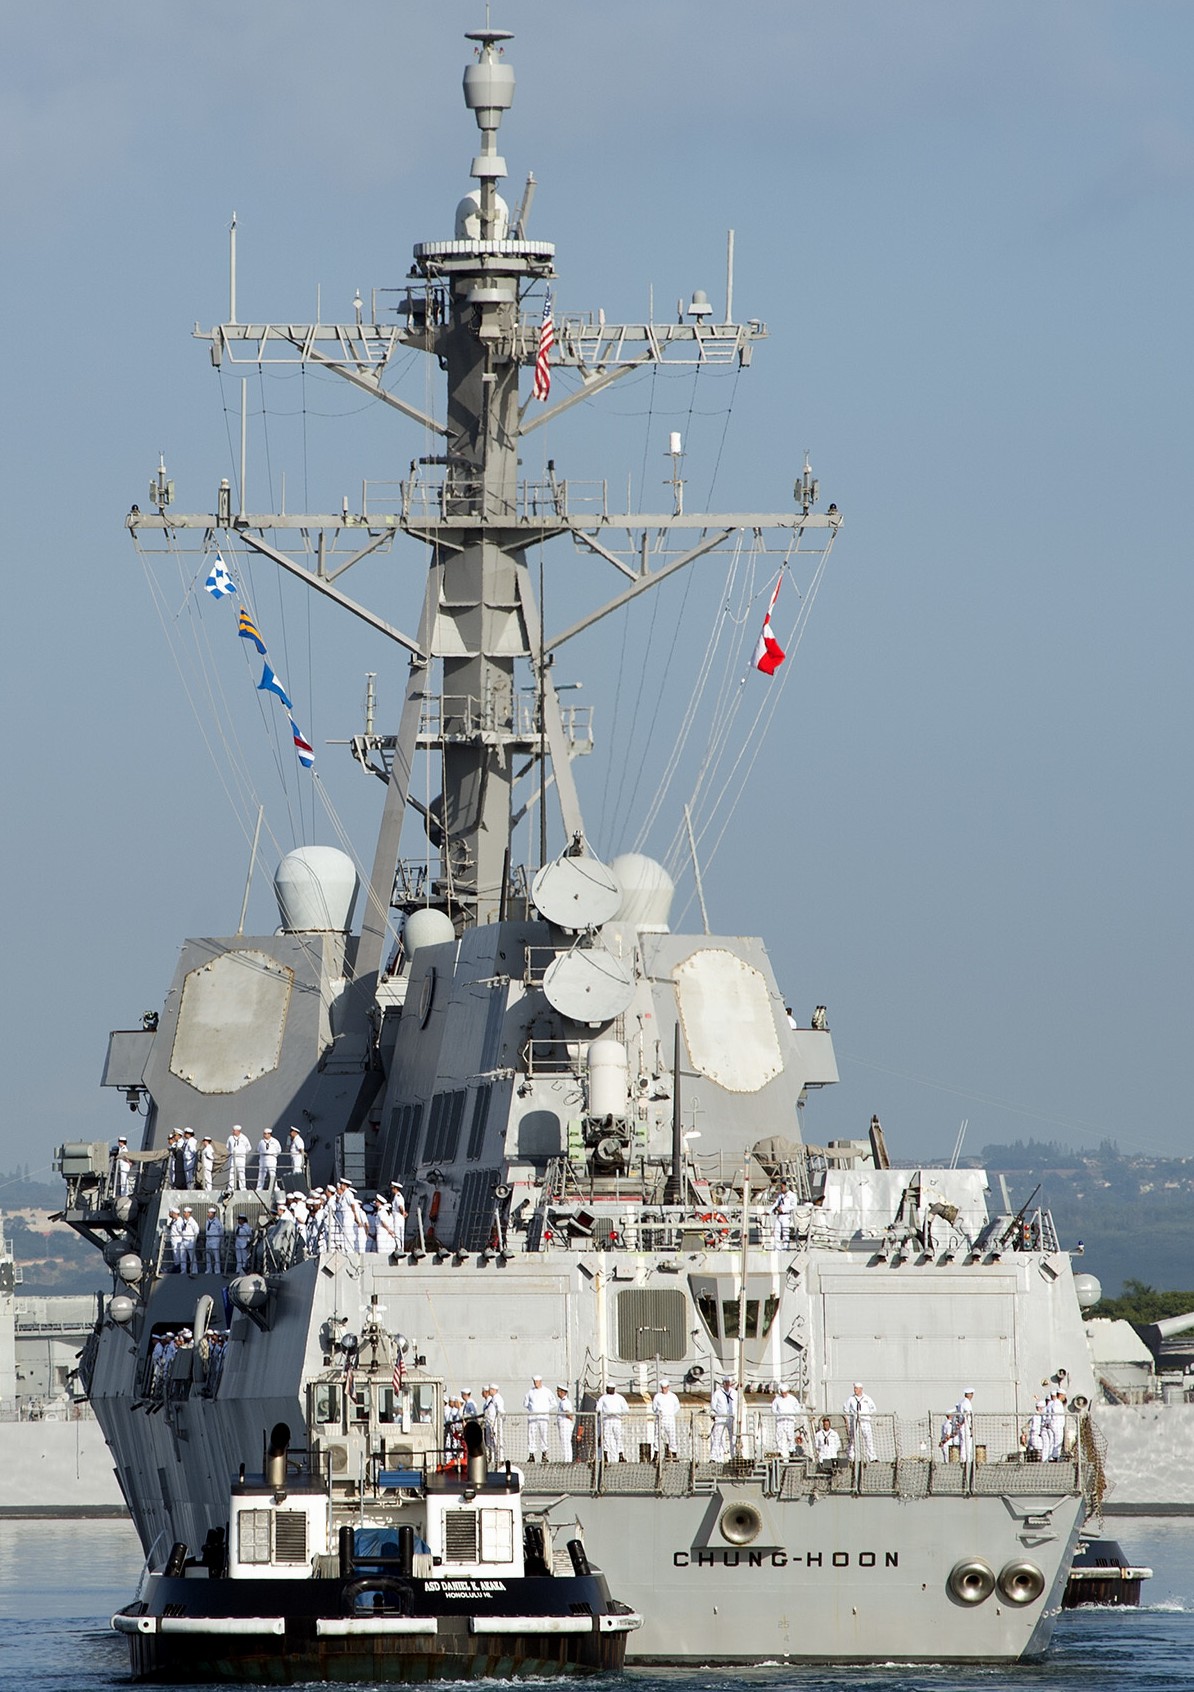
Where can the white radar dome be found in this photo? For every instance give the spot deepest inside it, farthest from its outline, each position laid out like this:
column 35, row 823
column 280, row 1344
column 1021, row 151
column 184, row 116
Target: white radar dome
column 426, row 927
column 316, row 888
column 647, row 892
column 468, row 217
column 1089, row 1290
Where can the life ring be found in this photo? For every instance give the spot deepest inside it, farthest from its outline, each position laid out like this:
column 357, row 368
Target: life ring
column 395, row 1597
column 719, row 1225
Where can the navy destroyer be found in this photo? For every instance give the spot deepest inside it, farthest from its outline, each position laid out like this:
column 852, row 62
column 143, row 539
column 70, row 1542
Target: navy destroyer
column 797, row 1402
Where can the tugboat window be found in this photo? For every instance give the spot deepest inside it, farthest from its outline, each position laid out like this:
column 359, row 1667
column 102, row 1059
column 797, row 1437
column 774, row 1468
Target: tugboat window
column 252, row 1530
column 497, row 1536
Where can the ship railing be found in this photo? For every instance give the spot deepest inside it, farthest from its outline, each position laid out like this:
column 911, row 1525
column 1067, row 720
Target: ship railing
column 423, row 500
column 637, row 1451
column 629, row 1224
column 553, row 1057
column 888, row 1455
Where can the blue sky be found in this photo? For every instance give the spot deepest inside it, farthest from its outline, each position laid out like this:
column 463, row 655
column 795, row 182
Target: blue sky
column 968, row 228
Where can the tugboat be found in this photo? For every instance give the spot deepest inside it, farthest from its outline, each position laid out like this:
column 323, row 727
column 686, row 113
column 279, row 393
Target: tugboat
column 1102, row 1574
column 431, row 1571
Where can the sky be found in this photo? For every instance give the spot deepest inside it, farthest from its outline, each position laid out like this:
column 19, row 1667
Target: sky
column 968, row 228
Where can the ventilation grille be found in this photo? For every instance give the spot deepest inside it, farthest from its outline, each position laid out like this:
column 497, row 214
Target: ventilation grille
column 652, row 1322
column 476, row 1209
column 290, row 1536
column 406, row 1122
column 478, row 1123
column 460, row 1536
column 443, row 1129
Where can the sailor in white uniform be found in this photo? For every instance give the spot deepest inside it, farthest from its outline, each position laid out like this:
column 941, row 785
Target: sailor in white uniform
column 238, row 1147
column 384, row 1226
column 188, row 1235
column 665, row 1407
column 537, row 1404
column 1054, row 1443
column 784, row 1210
column 190, row 1156
column 787, row 1410
column 611, row 1408
column 565, row 1423
column 722, row 1405
column 493, row 1416
column 267, row 1160
column 298, row 1152
column 205, row 1176
column 964, row 1425
column 858, row 1410
column 213, row 1242
column 243, row 1239
column 398, row 1211
column 827, row 1442
column 173, row 1232
column 122, row 1169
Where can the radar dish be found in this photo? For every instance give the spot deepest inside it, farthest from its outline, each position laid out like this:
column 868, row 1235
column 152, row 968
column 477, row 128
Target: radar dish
column 588, row 986
column 576, row 892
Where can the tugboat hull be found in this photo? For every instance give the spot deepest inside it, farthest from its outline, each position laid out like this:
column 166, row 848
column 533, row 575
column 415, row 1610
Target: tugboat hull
column 281, row 1633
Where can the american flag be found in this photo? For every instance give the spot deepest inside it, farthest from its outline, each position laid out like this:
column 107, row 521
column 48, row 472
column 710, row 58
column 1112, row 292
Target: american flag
column 547, row 340
column 397, row 1376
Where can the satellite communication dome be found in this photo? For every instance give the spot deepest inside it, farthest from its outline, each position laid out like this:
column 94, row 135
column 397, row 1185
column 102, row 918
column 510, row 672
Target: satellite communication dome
column 316, row 889
column 647, row 892
column 426, row 927
column 1089, row 1290
column 468, row 217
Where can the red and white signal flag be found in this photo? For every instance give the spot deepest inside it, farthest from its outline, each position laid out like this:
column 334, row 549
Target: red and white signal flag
column 769, row 654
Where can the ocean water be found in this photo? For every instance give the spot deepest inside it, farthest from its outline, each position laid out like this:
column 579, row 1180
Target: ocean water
column 60, row 1582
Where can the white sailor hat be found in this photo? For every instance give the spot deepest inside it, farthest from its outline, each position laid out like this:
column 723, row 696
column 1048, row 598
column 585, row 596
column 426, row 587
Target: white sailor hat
column 122, row 1139
column 207, row 1139
column 186, row 1210
column 536, row 1377
column 293, row 1129
column 188, row 1130
column 267, row 1134
column 560, row 1387
column 665, row 1383
column 212, row 1211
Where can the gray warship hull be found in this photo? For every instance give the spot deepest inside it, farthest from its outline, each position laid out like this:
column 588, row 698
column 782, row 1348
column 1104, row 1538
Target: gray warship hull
column 516, row 1060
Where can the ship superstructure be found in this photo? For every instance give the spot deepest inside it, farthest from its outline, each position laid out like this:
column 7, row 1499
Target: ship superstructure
column 514, row 1046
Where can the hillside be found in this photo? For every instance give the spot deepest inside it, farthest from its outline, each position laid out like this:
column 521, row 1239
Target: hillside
column 1134, row 1215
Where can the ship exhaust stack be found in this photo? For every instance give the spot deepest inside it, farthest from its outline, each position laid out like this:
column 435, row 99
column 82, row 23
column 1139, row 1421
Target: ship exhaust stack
column 474, row 1446
column 275, row 1457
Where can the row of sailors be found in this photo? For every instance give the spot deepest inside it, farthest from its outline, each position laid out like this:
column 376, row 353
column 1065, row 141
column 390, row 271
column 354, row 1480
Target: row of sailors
column 198, row 1164
column 168, row 1346
column 301, row 1225
column 795, row 1431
